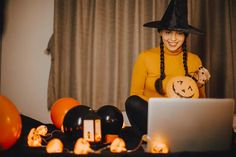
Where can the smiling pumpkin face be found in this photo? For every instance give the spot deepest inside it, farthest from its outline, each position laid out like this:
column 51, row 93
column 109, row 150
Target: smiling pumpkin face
column 182, row 87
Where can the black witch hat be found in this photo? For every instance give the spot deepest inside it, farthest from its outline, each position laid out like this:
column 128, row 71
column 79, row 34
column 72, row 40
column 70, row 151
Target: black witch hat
column 175, row 18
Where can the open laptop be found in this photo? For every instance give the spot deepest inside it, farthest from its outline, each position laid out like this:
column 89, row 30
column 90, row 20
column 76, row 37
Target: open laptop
column 190, row 124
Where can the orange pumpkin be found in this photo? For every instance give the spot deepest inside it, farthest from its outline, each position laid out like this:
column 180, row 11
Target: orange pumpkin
column 182, row 87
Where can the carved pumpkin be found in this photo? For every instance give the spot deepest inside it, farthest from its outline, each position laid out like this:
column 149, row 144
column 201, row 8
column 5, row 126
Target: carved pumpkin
column 54, row 146
column 182, row 87
column 34, row 139
column 118, row 146
column 82, row 147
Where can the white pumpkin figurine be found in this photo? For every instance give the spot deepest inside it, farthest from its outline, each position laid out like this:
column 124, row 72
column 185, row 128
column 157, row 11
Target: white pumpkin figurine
column 159, row 148
column 118, row 146
column 34, row 139
column 42, row 130
column 54, row 146
column 82, row 147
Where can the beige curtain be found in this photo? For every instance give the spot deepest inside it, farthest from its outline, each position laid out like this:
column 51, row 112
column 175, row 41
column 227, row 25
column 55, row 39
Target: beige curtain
column 96, row 42
column 217, row 47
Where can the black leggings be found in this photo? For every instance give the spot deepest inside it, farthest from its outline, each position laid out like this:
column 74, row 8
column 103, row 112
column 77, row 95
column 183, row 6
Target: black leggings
column 136, row 110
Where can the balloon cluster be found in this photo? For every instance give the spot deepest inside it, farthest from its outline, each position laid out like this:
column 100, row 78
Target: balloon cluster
column 111, row 120
column 69, row 115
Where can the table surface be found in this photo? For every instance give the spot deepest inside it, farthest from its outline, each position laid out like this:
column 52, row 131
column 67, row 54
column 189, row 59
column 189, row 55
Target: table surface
column 21, row 148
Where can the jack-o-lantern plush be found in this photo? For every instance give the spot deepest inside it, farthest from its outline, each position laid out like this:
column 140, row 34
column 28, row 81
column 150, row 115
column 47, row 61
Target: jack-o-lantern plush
column 118, row 146
column 54, row 146
column 202, row 76
column 182, row 87
column 82, row 147
column 34, row 139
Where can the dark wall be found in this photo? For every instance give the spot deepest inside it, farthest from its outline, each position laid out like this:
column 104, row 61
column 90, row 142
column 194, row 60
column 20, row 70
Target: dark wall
column 2, row 8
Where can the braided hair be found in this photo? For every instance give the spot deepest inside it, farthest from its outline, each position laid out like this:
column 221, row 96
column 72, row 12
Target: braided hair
column 158, row 83
column 185, row 56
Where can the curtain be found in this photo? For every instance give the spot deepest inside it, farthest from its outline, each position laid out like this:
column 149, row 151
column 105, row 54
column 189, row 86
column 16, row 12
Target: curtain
column 2, row 9
column 217, row 47
column 95, row 44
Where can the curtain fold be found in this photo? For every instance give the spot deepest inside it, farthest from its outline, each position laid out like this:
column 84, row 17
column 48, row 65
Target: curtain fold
column 94, row 46
column 220, row 55
column 96, row 42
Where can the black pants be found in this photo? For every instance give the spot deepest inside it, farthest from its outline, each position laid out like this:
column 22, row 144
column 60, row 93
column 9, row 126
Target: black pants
column 136, row 110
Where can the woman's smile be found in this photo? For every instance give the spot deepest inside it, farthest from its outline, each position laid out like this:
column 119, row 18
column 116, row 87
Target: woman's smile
column 173, row 40
column 172, row 44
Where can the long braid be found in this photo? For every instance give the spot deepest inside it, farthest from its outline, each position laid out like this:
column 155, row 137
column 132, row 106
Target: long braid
column 162, row 65
column 185, row 57
column 158, row 83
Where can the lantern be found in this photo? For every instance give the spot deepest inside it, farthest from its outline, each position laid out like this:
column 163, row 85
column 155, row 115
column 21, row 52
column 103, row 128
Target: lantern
column 73, row 122
column 92, row 128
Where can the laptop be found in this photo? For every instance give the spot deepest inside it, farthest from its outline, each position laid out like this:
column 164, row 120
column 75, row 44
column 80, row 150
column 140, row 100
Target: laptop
column 193, row 125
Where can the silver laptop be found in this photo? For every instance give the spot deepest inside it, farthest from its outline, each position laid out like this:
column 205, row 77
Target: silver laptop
column 190, row 124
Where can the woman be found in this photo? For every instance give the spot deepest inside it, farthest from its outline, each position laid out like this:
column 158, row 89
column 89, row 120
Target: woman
column 154, row 67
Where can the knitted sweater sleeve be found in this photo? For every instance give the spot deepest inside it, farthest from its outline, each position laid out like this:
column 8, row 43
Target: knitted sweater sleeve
column 139, row 77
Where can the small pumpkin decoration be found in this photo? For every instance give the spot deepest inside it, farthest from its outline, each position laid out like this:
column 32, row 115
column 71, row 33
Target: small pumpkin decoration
column 42, row 130
column 34, row 139
column 118, row 146
column 182, row 87
column 159, row 148
column 54, row 146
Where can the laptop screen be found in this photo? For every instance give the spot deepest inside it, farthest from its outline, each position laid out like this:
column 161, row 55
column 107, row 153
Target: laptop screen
column 190, row 124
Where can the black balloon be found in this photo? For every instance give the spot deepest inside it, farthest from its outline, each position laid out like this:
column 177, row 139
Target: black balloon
column 73, row 122
column 111, row 118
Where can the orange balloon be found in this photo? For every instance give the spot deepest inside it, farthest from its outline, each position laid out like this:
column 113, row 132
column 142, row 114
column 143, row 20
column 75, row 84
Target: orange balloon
column 10, row 123
column 60, row 108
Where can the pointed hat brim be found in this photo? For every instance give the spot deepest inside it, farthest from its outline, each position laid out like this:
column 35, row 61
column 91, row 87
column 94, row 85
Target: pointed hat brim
column 185, row 28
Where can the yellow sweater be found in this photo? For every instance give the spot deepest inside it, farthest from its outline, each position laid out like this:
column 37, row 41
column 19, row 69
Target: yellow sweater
column 147, row 70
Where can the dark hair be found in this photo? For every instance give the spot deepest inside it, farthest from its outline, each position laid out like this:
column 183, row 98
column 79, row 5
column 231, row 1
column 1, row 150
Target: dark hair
column 158, row 83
